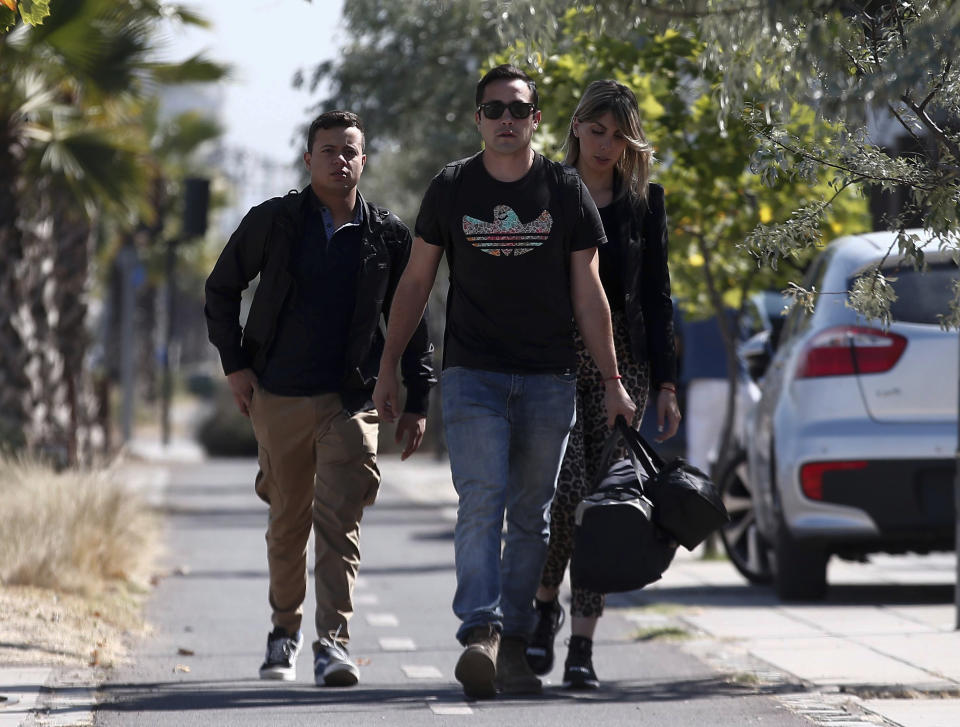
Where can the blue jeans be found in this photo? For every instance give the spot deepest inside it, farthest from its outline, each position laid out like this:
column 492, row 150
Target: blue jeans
column 506, row 434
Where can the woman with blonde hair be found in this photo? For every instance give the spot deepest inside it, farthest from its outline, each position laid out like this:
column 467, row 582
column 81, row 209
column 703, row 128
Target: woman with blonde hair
column 606, row 144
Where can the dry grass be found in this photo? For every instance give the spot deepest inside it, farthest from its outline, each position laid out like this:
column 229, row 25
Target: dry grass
column 72, row 531
column 76, row 553
column 40, row 626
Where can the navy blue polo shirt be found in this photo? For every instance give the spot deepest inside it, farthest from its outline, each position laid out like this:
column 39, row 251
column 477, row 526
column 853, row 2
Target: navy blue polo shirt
column 307, row 355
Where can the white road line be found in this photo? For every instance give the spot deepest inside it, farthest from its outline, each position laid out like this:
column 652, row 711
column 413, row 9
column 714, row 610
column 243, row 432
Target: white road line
column 382, row 619
column 417, row 671
column 397, row 644
column 457, row 708
column 366, row 599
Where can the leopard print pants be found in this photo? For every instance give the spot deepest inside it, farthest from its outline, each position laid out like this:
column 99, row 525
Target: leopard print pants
column 582, row 458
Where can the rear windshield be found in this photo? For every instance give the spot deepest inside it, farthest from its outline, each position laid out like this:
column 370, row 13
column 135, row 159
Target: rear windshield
column 921, row 296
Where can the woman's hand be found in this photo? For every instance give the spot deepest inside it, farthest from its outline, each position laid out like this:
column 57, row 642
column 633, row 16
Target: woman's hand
column 668, row 414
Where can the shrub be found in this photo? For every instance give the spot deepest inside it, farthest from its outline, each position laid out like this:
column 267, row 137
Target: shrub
column 74, row 531
column 226, row 432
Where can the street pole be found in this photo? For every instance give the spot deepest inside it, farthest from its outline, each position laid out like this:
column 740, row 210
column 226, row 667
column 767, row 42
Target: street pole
column 196, row 201
column 166, row 390
column 127, row 258
column 956, row 503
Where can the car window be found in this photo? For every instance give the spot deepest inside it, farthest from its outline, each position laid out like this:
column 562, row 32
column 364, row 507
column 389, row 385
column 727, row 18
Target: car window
column 922, row 295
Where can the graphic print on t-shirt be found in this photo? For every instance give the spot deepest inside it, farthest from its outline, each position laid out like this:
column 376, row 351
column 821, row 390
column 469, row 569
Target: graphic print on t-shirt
column 507, row 235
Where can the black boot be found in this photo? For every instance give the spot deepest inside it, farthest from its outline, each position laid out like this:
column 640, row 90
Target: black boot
column 540, row 648
column 578, row 670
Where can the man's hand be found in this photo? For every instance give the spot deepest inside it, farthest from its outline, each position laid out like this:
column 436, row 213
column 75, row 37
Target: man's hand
column 413, row 425
column 385, row 397
column 242, row 383
column 668, row 414
column 617, row 402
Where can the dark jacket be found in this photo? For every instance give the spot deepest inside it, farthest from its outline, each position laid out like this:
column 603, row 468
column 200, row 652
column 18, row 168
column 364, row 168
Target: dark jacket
column 262, row 245
column 649, row 309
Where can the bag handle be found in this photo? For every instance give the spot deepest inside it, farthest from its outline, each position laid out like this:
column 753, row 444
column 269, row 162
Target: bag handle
column 651, row 462
column 639, row 457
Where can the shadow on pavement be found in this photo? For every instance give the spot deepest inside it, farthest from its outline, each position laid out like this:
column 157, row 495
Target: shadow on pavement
column 222, row 695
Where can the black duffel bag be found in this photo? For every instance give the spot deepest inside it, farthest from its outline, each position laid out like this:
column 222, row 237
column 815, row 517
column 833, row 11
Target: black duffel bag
column 617, row 546
column 686, row 502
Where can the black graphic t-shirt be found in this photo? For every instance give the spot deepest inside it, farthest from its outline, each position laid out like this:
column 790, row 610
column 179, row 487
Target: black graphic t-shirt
column 508, row 246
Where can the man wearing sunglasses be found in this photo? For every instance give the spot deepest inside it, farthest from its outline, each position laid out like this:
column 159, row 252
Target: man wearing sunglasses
column 521, row 234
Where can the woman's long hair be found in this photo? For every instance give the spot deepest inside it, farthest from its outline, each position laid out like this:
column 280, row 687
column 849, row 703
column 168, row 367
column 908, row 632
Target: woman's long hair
column 633, row 167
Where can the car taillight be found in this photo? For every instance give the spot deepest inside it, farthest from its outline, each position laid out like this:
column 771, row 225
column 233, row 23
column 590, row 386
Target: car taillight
column 848, row 350
column 811, row 475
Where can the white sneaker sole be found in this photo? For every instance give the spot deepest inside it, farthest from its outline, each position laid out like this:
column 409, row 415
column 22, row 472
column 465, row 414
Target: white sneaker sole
column 338, row 675
column 280, row 675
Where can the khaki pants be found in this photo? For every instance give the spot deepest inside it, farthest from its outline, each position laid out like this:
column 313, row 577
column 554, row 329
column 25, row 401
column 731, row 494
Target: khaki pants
column 317, row 465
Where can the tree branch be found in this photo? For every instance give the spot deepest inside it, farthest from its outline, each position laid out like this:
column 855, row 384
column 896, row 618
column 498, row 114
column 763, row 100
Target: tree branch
column 904, row 124
column 932, row 127
column 861, row 71
column 860, row 175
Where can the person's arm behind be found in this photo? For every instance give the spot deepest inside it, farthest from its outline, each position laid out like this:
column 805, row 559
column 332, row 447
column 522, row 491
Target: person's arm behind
column 592, row 314
column 657, row 308
column 240, row 262
column 416, row 362
column 405, row 315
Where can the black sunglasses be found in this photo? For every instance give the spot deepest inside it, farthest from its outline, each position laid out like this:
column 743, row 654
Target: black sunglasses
column 495, row 109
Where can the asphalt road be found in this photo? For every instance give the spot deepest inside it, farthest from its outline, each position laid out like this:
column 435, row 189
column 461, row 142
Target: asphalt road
column 210, row 617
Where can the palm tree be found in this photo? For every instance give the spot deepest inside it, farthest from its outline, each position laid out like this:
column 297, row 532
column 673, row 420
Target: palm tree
column 71, row 149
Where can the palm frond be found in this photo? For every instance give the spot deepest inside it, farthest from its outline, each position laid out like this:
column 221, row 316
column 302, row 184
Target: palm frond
column 196, row 69
column 184, row 133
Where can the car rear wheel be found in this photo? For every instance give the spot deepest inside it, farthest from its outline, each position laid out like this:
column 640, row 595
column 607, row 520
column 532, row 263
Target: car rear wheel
column 745, row 547
column 800, row 568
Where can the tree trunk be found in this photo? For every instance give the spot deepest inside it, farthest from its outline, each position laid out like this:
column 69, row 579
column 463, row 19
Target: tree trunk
column 14, row 384
column 71, row 273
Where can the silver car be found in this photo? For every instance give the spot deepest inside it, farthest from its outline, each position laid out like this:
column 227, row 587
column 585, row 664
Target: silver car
column 850, row 447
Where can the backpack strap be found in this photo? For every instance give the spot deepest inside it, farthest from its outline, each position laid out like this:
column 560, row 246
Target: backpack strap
column 451, row 175
column 568, row 183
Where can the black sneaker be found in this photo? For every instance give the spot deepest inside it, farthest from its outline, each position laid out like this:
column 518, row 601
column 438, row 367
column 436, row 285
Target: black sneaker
column 281, row 660
column 332, row 665
column 540, row 647
column 578, row 670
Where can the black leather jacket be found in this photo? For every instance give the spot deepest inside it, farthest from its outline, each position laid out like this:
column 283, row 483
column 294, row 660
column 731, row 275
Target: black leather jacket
column 261, row 245
column 649, row 307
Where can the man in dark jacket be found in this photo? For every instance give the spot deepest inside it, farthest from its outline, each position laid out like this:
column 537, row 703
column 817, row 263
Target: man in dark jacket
column 303, row 369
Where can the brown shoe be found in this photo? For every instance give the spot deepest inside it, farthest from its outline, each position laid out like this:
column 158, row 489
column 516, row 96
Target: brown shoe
column 477, row 665
column 514, row 675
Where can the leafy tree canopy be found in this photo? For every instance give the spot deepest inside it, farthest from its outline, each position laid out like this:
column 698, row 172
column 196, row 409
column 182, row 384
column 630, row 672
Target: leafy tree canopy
column 875, row 70
column 679, row 107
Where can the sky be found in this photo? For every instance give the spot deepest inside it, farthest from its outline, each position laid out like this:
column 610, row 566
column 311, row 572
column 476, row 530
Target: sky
column 266, row 42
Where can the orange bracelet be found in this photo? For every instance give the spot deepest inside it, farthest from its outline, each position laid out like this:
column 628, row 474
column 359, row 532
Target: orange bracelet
column 618, row 377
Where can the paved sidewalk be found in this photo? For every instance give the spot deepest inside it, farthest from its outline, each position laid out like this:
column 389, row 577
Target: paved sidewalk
column 884, row 636
column 883, row 640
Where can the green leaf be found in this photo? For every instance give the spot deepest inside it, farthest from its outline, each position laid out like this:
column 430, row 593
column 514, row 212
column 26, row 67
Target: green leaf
column 8, row 18
column 34, row 11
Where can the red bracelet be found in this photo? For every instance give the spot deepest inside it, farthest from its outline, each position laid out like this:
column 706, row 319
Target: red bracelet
column 668, row 387
column 618, row 377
